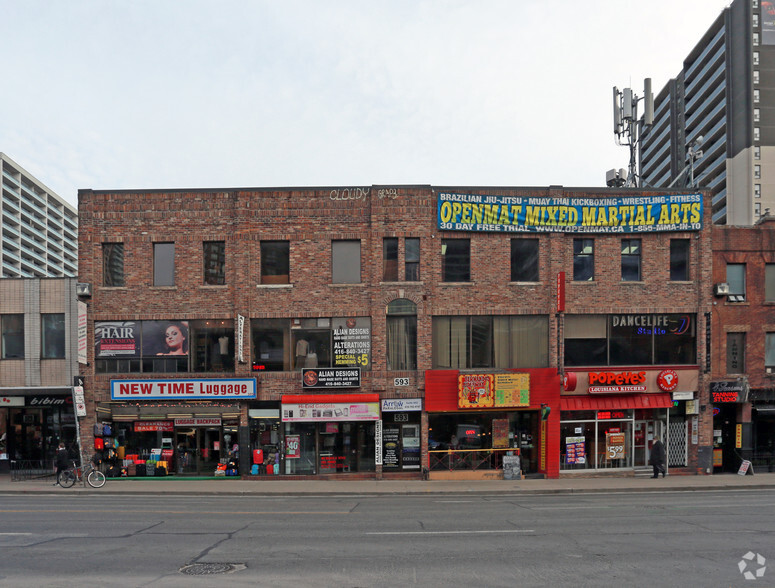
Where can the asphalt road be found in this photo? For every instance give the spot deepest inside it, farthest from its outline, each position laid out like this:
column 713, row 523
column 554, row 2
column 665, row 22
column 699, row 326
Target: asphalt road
column 636, row 539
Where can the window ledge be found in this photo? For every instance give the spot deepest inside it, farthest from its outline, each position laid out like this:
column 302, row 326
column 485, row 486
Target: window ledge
column 525, row 283
column 274, row 286
column 417, row 283
column 112, row 288
column 591, row 282
column 456, row 283
column 214, row 286
column 357, row 285
column 164, row 287
column 634, row 282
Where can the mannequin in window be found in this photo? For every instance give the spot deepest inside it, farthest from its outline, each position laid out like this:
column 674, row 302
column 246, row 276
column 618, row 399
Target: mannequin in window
column 302, row 347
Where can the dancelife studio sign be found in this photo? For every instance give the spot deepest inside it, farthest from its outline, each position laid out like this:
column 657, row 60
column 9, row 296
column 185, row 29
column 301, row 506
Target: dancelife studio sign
column 486, row 213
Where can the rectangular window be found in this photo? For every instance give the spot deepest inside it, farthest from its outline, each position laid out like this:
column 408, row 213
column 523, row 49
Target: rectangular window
column 13, row 336
column 490, row 341
column 163, row 264
column 736, row 281
column 412, row 259
column 524, row 260
column 679, row 260
column 757, row 152
column 586, row 340
column 275, row 262
column 756, row 58
column 52, row 336
column 757, row 171
column 769, row 353
column 212, row 345
column 757, row 190
column 735, row 353
column 756, row 115
column 390, row 259
column 214, row 254
column 113, row 264
column 756, row 96
column 769, row 282
column 455, row 260
column 757, row 209
column 583, row 260
column 756, row 133
column 756, row 39
column 346, row 262
column 631, row 260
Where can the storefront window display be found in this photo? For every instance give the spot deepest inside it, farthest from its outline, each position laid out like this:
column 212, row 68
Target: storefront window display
column 479, row 440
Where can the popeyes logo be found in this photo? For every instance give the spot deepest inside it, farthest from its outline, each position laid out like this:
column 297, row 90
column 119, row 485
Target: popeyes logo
column 667, row 380
column 617, row 378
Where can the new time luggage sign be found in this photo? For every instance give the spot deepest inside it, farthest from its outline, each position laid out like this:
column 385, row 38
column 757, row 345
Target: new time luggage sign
column 192, row 389
column 512, row 214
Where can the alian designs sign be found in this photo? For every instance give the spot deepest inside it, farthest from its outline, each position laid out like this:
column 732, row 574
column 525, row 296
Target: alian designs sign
column 182, row 389
column 511, row 214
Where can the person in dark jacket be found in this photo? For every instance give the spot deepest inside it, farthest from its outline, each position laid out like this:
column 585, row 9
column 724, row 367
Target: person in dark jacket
column 62, row 461
column 658, row 457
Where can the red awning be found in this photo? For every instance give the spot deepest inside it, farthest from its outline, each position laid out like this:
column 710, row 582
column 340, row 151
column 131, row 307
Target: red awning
column 616, row 401
column 329, row 398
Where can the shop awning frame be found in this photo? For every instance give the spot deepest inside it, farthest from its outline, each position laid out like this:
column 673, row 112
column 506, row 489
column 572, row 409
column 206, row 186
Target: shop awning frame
column 616, row 402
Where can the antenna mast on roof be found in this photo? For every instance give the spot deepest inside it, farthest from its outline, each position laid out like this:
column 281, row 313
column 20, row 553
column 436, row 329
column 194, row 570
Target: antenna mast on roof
column 626, row 126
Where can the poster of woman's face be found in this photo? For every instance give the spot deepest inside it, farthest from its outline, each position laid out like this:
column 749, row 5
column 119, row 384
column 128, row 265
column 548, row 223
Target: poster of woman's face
column 165, row 338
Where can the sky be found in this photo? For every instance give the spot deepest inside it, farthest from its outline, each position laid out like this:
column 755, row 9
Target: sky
column 139, row 94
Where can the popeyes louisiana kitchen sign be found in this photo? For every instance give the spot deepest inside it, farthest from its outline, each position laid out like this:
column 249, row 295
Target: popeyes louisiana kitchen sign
column 182, row 389
column 330, row 411
column 616, row 382
column 475, row 390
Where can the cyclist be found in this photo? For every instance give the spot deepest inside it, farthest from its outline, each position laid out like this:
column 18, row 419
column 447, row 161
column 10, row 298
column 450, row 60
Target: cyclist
column 62, row 459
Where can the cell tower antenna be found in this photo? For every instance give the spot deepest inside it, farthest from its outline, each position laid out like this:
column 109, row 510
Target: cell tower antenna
column 627, row 126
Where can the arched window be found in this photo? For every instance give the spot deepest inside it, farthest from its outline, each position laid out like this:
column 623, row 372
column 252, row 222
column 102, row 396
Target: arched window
column 402, row 335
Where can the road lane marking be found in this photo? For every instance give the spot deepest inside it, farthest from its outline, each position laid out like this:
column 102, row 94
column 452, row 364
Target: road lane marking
column 186, row 512
column 15, row 533
column 493, row 532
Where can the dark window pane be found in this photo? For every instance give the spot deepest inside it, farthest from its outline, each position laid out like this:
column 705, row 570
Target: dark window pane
column 631, row 260
column 481, row 341
column 583, row 260
column 214, row 263
column 275, row 262
column 402, row 335
column 585, row 352
column 13, row 336
column 630, row 345
column 346, row 262
column 412, row 259
column 679, row 260
column 52, row 336
column 524, row 260
column 113, row 264
column 455, row 260
column 163, row 264
column 390, row 259
column 677, row 342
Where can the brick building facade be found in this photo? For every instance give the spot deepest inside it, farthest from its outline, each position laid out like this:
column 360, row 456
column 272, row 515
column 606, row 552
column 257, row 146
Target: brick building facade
column 743, row 375
column 397, row 330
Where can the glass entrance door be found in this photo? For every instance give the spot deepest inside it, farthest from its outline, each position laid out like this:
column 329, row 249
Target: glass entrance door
column 645, row 433
column 197, row 450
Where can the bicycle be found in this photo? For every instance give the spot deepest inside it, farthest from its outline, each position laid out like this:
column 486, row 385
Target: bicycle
column 94, row 477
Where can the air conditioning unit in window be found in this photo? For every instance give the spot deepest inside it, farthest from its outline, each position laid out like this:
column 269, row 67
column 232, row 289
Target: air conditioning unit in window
column 82, row 289
column 721, row 289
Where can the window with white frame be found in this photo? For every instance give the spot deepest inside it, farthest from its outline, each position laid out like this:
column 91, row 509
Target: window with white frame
column 736, row 281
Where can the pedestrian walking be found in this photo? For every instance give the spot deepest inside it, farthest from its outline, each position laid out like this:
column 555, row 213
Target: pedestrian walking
column 62, row 461
column 657, row 457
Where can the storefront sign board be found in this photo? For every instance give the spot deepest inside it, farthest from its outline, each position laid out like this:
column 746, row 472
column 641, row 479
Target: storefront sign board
column 318, row 412
column 199, row 422
column 331, row 378
column 476, row 390
column 182, row 389
column 352, row 342
column 402, row 405
column 512, row 390
column 378, row 443
column 11, row 401
column 148, row 426
column 512, row 467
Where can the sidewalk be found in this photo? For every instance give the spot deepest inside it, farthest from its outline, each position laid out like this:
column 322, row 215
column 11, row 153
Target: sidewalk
column 278, row 486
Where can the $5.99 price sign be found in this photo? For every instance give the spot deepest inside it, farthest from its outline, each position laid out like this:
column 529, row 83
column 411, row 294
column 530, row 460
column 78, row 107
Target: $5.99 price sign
column 615, row 445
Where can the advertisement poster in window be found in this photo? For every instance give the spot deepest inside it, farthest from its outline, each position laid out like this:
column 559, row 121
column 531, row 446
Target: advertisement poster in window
column 410, row 456
column 292, row 446
column 614, row 445
column 116, row 339
column 352, row 342
column 391, row 445
column 500, row 433
column 165, row 338
column 575, row 450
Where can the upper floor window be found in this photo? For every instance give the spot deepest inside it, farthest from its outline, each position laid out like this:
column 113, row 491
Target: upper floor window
column 736, row 281
column 13, row 336
column 214, row 254
column 630, row 260
column 402, row 335
column 461, row 342
column 679, row 260
column 113, row 264
column 769, row 282
column 769, row 353
column 524, row 260
column 757, row 190
column 735, row 353
column 52, row 336
column 455, row 260
column 756, row 115
column 390, row 259
column 756, row 58
column 757, row 152
column 756, row 76
column 346, row 262
column 412, row 259
column 275, row 262
column 653, row 339
column 163, row 264
column 756, row 95
column 757, row 171
column 583, row 260
column 756, row 39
